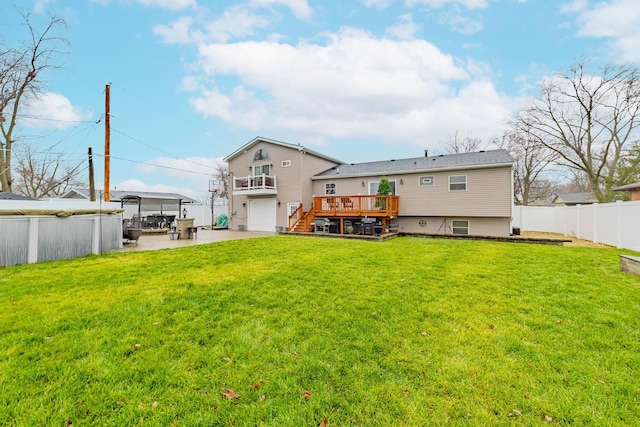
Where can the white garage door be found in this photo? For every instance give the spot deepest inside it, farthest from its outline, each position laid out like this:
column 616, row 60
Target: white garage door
column 262, row 214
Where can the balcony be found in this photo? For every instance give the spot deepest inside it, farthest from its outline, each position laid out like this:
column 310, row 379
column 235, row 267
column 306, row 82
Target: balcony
column 254, row 185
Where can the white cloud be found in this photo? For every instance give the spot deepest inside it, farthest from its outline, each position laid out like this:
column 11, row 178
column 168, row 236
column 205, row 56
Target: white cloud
column 40, row 6
column 460, row 23
column 162, row 4
column 617, row 20
column 53, row 111
column 191, row 172
column 405, row 28
column 300, row 8
column 235, row 22
column 354, row 86
column 378, row 4
column 469, row 4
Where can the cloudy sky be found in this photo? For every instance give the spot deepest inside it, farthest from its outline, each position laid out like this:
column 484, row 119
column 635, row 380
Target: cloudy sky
column 361, row 80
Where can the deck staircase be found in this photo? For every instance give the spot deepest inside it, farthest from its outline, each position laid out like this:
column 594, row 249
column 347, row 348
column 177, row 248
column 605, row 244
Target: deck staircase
column 306, row 222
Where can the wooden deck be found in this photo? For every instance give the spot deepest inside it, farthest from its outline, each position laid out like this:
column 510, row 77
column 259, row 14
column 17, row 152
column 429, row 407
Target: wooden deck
column 346, row 213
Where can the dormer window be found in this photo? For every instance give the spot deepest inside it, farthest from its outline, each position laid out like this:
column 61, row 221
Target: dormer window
column 261, row 154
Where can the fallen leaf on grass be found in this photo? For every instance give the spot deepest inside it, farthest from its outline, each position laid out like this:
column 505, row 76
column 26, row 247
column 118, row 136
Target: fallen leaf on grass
column 599, row 381
column 154, row 405
column 262, row 398
column 423, row 333
column 306, row 394
column 255, row 385
column 547, row 418
column 68, row 423
column 141, row 404
column 324, row 423
column 136, row 346
column 230, row 394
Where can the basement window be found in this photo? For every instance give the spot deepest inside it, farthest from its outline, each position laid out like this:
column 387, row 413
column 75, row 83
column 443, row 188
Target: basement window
column 459, row 226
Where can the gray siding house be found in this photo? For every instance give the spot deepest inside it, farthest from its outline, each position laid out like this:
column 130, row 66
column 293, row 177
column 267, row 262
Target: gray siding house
column 276, row 185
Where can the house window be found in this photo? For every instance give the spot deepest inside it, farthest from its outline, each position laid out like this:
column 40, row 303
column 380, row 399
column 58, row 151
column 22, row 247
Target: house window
column 261, row 169
column 330, row 188
column 373, row 187
column 261, row 154
column 457, row 183
column 427, row 180
column 286, row 163
column 459, row 226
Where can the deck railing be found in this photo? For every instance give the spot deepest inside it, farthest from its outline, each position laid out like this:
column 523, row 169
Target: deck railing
column 377, row 206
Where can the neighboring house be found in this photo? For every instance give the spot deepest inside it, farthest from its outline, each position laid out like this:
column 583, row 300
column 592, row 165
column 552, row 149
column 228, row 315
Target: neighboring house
column 633, row 188
column 12, row 196
column 572, row 199
column 276, row 185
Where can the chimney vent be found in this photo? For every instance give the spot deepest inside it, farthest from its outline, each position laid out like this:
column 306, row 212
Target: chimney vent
column 426, row 153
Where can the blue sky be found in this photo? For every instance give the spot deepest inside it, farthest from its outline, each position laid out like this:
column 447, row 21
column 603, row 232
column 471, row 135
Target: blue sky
column 362, row 80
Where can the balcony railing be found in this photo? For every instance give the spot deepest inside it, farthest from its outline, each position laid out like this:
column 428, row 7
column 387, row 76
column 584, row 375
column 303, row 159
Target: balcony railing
column 259, row 184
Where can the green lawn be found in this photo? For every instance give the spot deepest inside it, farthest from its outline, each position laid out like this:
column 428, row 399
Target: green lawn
column 303, row 331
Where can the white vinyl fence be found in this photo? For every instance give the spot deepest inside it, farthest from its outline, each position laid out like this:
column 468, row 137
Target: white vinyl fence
column 201, row 214
column 37, row 231
column 616, row 224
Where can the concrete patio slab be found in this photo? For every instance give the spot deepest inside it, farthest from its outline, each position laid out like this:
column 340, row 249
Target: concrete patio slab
column 150, row 242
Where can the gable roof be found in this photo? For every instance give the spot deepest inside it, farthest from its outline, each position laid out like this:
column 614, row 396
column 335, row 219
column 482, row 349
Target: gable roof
column 575, row 198
column 627, row 187
column 477, row 160
column 259, row 139
column 12, row 196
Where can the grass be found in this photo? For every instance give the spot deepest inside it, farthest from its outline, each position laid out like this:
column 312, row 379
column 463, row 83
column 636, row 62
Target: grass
column 310, row 330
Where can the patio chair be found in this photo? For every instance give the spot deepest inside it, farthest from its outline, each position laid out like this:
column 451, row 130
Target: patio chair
column 322, row 224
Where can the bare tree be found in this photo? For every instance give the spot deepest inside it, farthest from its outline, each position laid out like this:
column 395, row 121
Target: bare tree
column 21, row 69
column 531, row 161
column 44, row 175
column 586, row 120
column 457, row 143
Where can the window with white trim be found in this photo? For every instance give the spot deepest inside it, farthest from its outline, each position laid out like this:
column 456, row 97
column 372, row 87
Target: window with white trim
column 261, row 169
column 330, row 188
column 457, row 183
column 427, row 180
column 460, row 226
column 286, row 163
column 373, row 187
column 291, row 208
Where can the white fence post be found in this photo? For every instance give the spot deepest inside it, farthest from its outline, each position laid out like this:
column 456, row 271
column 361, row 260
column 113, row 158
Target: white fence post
column 595, row 222
column 619, row 224
column 32, row 251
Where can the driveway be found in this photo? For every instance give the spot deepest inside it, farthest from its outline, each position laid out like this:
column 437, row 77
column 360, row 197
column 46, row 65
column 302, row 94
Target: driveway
column 149, row 242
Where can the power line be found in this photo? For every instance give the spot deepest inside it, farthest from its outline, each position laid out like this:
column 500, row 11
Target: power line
column 29, row 116
column 154, row 165
column 158, row 149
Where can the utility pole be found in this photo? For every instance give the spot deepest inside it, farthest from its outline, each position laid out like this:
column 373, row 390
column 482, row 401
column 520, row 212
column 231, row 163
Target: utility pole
column 107, row 143
column 92, row 184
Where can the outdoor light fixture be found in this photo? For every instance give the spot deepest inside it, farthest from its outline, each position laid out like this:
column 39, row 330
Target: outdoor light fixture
column 278, row 202
column 401, row 181
column 363, row 183
column 244, row 204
